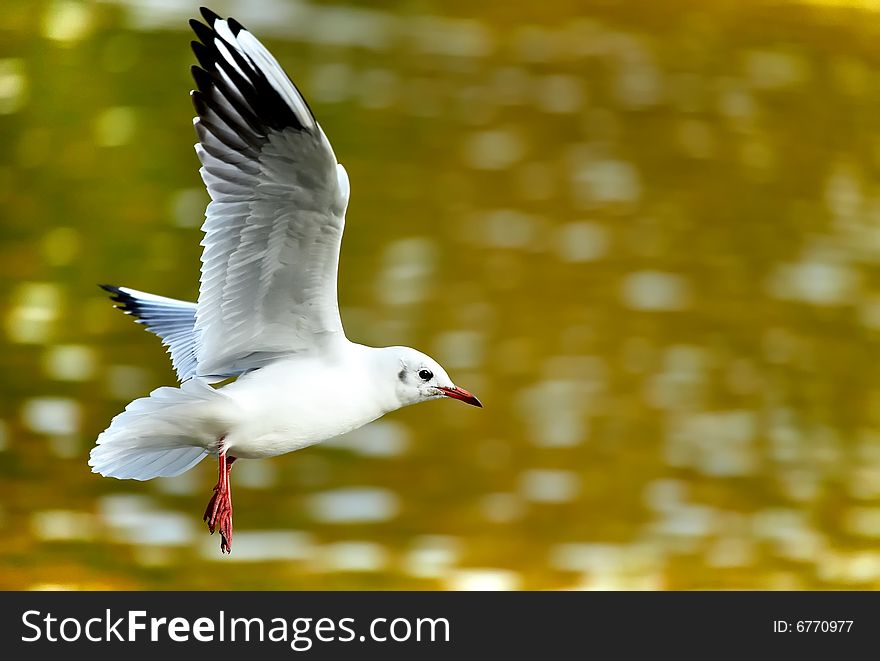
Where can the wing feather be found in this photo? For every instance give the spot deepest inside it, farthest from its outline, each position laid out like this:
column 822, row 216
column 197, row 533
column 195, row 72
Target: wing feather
column 278, row 199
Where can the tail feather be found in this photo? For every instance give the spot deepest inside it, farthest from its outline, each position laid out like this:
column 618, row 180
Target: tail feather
column 162, row 435
column 145, row 465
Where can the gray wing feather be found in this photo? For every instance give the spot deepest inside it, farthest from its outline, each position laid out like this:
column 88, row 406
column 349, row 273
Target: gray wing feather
column 172, row 320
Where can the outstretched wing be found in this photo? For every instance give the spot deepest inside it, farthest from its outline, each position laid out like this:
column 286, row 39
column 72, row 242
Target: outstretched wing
column 278, row 199
column 170, row 319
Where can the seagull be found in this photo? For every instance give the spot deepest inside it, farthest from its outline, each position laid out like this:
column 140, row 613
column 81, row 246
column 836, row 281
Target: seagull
column 263, row 363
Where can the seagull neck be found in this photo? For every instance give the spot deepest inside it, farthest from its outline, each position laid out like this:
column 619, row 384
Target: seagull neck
column 380, row 367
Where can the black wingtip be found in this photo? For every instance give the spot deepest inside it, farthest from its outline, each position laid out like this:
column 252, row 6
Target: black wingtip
column 203, row 32
column 110, row 288
column 235, row 26
column 201, row 52
column 198, row 100
column 209, row 16
column 116, row 294
column 125, row 302
column 225, row 71
column 202, row 78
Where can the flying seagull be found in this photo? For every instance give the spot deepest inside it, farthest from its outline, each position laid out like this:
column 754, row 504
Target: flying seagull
column 267, row 312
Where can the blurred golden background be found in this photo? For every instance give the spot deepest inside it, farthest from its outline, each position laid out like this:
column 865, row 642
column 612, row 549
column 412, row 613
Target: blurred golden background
column 647, row 235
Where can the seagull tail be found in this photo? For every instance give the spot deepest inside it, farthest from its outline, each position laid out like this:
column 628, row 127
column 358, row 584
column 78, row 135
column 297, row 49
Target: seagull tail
column 162, row 435
column 172, row 320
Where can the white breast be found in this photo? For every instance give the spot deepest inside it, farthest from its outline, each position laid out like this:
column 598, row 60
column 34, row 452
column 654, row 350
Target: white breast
column 298, row 402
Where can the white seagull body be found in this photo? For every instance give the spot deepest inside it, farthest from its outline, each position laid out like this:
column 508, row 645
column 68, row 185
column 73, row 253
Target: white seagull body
column 267, row 311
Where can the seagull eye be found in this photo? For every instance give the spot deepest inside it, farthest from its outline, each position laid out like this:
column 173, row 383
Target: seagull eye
column 426, row 375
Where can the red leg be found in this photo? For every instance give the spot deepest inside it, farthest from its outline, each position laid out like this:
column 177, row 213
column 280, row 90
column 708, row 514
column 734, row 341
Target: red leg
column 219, row 511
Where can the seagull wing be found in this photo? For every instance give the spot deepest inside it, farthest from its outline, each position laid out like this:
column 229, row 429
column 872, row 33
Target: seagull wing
column 278, row 197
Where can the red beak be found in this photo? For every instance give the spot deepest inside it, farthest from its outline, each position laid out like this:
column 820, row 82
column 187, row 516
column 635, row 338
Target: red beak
column 460, row 394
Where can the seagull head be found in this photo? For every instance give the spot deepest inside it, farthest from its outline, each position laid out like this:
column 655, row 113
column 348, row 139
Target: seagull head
column 419, row 378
